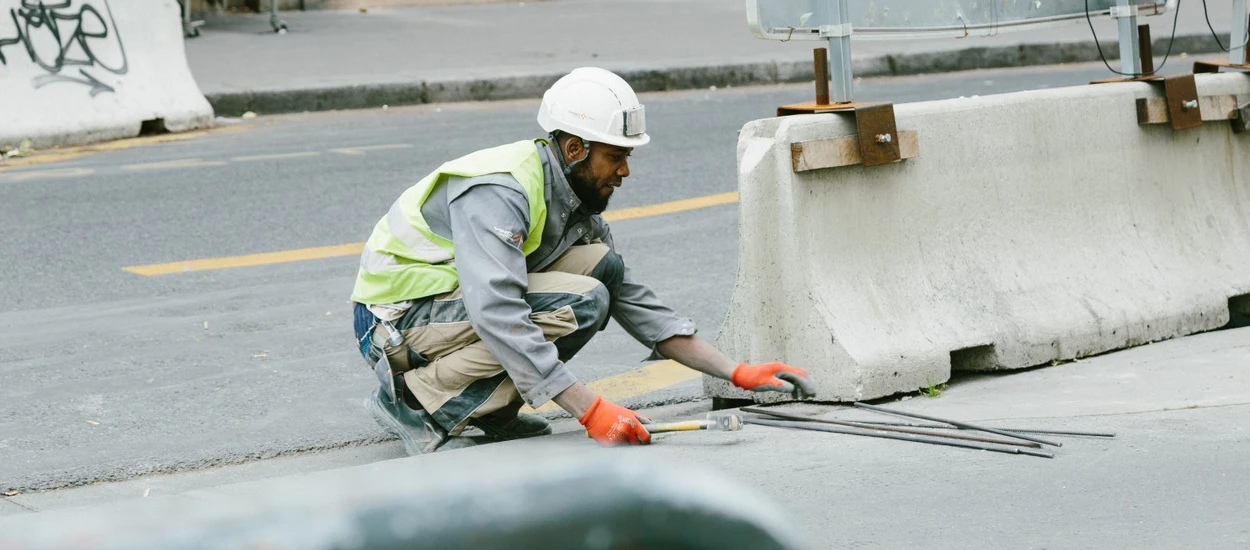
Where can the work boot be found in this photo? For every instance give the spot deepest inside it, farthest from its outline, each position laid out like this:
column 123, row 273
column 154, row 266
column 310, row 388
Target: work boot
column 507, row 426
column 415, row 427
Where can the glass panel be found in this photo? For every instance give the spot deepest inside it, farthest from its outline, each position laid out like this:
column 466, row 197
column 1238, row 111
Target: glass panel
column 884, row 19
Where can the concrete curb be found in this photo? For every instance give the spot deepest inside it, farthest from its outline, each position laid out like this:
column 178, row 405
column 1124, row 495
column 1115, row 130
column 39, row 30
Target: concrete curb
column 546, row 495
column 364, row 96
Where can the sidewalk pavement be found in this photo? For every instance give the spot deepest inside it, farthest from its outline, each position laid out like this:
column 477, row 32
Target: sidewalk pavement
column 1174, row 476
column 342, row 59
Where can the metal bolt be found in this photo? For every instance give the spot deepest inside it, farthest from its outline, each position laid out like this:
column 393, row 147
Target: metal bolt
column 884, row 138
column 1191, row 104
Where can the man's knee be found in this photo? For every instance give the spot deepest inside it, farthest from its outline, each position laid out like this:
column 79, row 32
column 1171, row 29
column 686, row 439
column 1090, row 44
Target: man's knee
column 601, row 302
column 595, row 260
column 610, row 271
column 591, row 314
column 590, row 309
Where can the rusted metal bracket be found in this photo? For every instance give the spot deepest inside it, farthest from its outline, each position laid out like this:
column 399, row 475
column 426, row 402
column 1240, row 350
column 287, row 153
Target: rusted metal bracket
column 1156, row 110
column 1215, row 66
column 843, row 151
column 877, row 133
column 1182, row 96
column 1241, row 122
column 1180, row 92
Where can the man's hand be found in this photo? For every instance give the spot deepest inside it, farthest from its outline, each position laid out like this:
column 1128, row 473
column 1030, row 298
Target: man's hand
column 612, row 424
column 778, row 377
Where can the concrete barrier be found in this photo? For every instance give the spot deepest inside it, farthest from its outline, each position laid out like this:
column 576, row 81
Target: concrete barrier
column 1033, row 227
column 79, row 71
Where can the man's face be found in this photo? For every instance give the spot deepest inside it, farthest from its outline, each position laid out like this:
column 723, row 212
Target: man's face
column 594, row 179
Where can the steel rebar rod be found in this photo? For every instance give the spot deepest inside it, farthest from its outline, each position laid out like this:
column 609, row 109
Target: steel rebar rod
column 1020, row 430
column 808, row 426
column 964, row 425
column 906, row 430
column 820, row 63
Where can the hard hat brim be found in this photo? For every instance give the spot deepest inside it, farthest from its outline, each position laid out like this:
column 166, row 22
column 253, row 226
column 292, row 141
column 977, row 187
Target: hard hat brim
column 630, row 142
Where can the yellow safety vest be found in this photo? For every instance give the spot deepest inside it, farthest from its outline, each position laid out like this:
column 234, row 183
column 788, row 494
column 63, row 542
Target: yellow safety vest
column 405, row 260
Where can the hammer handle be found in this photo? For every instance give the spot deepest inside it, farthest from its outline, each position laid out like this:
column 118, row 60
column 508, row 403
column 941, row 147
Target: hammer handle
column 687, row 426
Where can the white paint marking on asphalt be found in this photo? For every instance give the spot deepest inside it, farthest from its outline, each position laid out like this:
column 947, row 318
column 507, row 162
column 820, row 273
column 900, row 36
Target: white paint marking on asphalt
column 276, row 156
column 43, row 174
column 363, row 149
column 173, row 164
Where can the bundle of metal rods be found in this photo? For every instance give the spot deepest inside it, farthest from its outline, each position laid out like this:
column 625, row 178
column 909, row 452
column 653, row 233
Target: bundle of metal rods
column 1012, row 441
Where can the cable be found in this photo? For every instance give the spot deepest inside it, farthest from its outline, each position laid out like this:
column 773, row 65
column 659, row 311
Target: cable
column 1171, row 41
column 1217, row 35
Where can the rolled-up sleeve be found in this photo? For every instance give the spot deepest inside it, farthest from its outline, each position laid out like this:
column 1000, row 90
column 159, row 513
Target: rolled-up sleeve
column 489, row 223
column 638, row 310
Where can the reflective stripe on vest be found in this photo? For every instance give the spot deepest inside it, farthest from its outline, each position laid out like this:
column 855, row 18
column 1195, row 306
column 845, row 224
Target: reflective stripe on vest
column 405, row 260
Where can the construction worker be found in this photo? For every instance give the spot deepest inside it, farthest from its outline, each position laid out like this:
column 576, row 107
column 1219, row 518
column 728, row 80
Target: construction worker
column 490, row 273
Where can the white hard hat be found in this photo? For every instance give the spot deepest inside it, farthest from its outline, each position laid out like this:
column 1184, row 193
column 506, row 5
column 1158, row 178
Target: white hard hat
column 595, row 105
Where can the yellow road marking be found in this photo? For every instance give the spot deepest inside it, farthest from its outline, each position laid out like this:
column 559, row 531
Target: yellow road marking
column 41, row 174
column 70, row 153
column 277, row 156
column 172, row 164
column 352, row 249
column 248, row 260
column 670, row 207
column 655, row 376
column 41, row 158
column 361, row 150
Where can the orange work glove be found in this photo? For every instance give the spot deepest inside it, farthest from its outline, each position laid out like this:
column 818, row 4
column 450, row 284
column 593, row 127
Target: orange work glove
column 612, row 424
column 778, row 377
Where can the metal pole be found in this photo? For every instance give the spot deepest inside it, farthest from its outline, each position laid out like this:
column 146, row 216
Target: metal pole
column 1013, row 430
column 1145, row 49
column 839, row 34
column 821, row 66
column 1237, row 34
column 964, row 425
column 898, row 429
column 900, row 437
column 1130, row 60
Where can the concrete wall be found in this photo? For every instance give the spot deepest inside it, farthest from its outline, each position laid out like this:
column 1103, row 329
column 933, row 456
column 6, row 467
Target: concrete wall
column 1033, row 227
column 118, row 63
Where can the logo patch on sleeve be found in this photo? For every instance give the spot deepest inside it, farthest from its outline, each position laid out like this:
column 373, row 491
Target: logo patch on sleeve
column 514, row 238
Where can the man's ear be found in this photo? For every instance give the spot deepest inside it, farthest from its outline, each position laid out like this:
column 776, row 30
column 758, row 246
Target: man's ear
column 573, row 149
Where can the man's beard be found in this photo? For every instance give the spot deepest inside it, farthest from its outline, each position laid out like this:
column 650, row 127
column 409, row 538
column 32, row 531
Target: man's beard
column 592, row 200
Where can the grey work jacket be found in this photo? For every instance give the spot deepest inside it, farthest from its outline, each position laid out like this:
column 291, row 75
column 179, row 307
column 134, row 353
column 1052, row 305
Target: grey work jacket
column 480, row 215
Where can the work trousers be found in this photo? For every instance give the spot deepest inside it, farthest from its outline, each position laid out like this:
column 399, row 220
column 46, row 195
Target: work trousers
column 448, row 368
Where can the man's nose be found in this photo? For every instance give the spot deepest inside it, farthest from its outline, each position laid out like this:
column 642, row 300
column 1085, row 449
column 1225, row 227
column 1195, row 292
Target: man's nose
column 623, row 171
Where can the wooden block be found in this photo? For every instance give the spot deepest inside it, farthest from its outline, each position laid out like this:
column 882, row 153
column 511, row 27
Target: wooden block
column 1154, row 110
column 843, row 151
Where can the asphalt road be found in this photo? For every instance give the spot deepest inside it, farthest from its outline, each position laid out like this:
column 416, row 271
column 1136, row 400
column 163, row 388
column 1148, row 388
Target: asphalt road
column 106, row 374
column 1172, row 477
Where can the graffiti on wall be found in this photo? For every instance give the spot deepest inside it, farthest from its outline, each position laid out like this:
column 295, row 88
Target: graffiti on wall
column 73, row 45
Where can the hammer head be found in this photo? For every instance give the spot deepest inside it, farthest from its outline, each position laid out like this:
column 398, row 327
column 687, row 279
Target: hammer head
column 724, row 422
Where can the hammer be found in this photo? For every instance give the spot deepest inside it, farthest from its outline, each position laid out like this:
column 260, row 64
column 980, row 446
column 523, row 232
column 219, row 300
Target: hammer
column 719, row 422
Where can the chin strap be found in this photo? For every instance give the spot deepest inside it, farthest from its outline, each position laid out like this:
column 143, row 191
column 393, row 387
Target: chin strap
column 568, row 167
